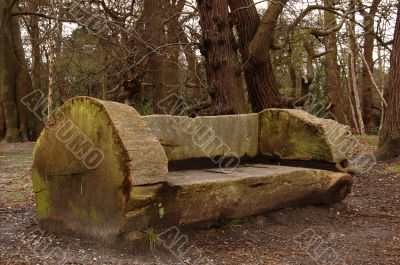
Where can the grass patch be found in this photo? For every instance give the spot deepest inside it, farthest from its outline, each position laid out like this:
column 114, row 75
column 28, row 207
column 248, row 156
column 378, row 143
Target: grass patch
column 152, row 237
column 233, row 223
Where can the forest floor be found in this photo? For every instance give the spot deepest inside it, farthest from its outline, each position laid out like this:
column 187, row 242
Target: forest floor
column 364, row 229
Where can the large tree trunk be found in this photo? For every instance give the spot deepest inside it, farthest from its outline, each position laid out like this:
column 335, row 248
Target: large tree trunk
column 15, row 82
column 332, row 70
column 164, row 61
column 171, row 57
column 221, row 60
column 155, row 35
column 389, row 140
column 366, row 82
column 255, row 39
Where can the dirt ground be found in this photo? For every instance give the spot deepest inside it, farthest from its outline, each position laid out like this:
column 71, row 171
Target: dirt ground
column 364, row 229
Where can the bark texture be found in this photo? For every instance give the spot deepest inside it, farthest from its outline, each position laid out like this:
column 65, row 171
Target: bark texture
column 389, row 140
column 255, row 39
column 353, row 95
column 87, row 160
column 297, row 135
column 221, row 60
column 162, row 32
column 366, row 83
column 332, row 70
column 15, row 82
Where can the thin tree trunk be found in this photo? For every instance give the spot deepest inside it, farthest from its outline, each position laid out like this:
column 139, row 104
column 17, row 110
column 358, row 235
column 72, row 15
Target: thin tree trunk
column 221, row 60
column 193, row 66
column 36, row 62
column 332, row 70
column 354, row 92
column 381, row 61
column 55, row 53
column 366, row 82
column 103, row 77
column 51, row 84
column 36, row 51
column 389, row 140
column 2, row 122
column 291, row 67
column 354, row 97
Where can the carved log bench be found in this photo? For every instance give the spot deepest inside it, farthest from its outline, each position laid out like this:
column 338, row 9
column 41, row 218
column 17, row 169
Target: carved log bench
column 100, row 169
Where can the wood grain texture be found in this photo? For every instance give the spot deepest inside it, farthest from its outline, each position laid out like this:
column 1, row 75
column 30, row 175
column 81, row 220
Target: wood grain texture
column 298, row 135
column 187, row 138
column 77, row 192
column 130, row 188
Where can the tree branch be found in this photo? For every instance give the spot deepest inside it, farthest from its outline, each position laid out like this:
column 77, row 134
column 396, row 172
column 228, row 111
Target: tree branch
column 31, row 13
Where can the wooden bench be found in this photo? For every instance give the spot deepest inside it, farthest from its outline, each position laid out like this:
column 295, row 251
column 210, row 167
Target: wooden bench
column 102, row 170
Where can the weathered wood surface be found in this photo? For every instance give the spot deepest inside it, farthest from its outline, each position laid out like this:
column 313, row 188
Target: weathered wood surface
column 208, row 195
column 298, row 135
column 101, row 171
column 86, row 161
column 187, row 138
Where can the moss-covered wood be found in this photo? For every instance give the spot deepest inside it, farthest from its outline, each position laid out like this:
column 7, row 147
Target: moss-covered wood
column 86, row 162
column 187, row 138
column 100, row 170
column 298, row 135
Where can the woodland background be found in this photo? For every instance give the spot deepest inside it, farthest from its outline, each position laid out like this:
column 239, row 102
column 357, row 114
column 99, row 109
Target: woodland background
column 328, row 57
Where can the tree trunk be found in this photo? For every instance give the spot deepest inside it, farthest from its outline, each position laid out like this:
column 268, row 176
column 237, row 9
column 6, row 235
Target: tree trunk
column 104, row 74
column 163, row 63
column 292, row 69
column 255, row 39
column 332, row 70
column 36, row 61
column 199, row 93
column 2, row 122
column 354, row 98
column 36, row 51
column 155, row 35
column 51, row 84
column 15, row 82
column 221, row 60
column 171, row 58
column 54, row 55
column 366, row 82
column 389, row 140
